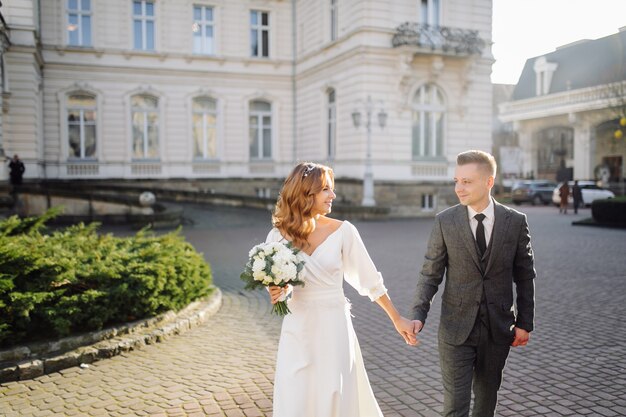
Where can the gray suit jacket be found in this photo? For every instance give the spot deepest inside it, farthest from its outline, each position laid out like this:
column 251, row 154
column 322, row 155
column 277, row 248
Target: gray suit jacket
column 452, row 250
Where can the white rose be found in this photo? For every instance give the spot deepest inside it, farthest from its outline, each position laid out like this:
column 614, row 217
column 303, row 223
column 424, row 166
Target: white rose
column 259, row 276
column 290, row 272
column 258, row 265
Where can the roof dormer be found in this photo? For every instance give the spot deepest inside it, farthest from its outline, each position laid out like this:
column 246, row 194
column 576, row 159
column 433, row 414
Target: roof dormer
column 543, row 75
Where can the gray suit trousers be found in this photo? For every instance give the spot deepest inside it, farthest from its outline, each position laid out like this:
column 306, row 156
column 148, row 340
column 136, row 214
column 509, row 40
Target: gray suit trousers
column 477, row 364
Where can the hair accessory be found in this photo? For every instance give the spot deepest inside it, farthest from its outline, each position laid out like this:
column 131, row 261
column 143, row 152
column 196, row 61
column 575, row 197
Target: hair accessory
column 308, row 170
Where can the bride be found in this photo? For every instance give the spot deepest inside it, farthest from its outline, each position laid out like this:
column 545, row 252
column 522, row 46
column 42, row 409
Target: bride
column 319, row 368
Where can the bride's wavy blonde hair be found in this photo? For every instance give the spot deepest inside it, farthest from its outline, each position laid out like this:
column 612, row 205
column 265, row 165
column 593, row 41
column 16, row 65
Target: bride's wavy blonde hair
column 292, row 215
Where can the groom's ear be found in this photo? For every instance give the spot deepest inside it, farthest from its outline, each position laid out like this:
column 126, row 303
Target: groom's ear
column 490, row 181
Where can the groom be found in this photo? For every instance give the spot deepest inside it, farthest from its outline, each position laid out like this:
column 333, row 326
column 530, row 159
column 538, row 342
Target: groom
column 484, row 249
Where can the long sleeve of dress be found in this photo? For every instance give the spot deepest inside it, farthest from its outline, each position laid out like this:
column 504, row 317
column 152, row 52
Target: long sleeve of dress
column 359, row 269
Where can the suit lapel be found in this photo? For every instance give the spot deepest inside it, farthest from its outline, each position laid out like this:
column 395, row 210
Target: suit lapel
column 462, row 223
column 500, row 228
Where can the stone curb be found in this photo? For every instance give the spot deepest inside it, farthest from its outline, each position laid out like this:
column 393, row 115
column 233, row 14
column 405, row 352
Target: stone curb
column 112, row 341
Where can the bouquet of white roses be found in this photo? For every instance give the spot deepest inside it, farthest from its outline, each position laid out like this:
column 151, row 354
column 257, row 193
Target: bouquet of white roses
column 274, row 263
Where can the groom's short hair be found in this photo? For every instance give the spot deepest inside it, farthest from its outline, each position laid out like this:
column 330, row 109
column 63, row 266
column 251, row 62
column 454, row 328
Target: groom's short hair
column 484, row 160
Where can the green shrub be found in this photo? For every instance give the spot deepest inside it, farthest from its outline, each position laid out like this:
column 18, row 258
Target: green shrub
column 75, row 280
column 609, row 211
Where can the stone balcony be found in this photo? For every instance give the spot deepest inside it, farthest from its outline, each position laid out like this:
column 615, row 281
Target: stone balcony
column 434, row 39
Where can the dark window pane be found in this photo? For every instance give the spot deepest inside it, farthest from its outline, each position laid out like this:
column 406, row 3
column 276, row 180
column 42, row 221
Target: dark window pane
column 254, row 46
column 266, row 43
column 265, row 19
column 74, row 140
column 90, row 141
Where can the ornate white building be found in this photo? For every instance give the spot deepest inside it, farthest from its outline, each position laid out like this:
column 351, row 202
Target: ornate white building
column 240, row 89
column 566, row 109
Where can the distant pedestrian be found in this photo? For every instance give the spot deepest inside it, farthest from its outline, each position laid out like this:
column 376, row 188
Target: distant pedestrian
column 577, row 195
column 564, row 194
column 16, row 170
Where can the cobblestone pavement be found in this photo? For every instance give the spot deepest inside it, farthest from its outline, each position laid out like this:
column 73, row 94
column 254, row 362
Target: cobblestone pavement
column 575, row 364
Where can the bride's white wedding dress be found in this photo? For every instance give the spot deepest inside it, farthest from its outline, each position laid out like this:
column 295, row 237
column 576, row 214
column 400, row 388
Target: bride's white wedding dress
column 319, row 367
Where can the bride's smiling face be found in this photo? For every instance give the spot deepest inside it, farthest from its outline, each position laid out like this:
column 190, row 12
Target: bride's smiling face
column 324, row 199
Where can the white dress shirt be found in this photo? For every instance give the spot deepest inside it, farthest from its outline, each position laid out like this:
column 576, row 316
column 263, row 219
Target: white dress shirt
column 488, row 221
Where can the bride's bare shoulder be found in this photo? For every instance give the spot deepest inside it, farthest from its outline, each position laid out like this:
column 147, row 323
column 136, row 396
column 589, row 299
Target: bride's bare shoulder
column 330, row 222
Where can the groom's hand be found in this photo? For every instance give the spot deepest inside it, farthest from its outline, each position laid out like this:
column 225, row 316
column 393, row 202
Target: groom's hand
column 417, row 326
column 521, row 337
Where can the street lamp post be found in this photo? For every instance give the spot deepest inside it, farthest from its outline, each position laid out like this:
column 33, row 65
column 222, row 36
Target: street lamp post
column 368, row 177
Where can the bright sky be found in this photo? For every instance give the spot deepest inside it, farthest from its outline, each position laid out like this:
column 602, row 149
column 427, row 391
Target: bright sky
column 524, row 29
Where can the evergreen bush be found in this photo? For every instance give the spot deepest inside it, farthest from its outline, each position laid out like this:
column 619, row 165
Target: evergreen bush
column 75, row 280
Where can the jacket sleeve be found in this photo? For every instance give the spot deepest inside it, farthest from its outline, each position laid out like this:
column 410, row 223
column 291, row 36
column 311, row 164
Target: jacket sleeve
column 524, row 277
column 358, row 268
column 431, row 276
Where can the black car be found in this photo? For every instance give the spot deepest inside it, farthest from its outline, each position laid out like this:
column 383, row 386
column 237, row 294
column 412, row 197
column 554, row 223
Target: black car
column 534, row 192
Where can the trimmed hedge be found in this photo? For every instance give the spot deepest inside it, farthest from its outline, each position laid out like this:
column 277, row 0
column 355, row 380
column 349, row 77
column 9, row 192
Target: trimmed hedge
column 611, row 211
column 75, row 280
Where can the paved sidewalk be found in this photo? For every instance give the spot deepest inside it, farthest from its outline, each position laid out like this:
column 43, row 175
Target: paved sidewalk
column 575, row 364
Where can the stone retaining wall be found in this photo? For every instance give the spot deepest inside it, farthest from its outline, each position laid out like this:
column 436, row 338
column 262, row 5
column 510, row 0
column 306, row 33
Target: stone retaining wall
column 26, row 362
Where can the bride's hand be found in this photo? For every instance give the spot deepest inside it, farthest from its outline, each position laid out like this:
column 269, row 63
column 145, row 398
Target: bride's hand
column 406, row 329
column 276, row 293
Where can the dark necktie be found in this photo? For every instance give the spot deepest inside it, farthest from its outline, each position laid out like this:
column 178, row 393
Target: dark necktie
column 480, row 234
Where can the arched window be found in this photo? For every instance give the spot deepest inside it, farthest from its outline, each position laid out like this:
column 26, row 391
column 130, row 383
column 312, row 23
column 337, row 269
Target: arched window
column 260, row 130
column 145, row 119
column 332, row 124
column 428, row 122
column 81, row 126
column 204, row 120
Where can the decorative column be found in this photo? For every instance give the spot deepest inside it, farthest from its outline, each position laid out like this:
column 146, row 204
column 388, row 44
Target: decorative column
column 582, row 140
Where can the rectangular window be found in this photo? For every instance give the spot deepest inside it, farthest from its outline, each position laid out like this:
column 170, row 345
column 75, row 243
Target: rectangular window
column 203, row 30
column 143, row 25
column 333, row 20
column 79, row 22
column 259, row 34
column 430, row 12
column 428, row 202
column 332, row 125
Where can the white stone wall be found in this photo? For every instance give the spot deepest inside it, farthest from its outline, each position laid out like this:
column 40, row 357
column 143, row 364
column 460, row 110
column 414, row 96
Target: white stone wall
column 23, row 128
column 360, row 62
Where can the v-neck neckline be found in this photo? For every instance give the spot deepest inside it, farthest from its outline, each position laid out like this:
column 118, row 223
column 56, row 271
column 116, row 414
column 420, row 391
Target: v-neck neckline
column 324, row 241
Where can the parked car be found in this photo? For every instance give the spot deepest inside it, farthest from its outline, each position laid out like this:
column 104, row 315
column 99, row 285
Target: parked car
column 590, row 192
column 534, row 192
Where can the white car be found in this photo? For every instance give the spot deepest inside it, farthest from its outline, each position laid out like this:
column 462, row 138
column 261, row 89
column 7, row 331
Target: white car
column 590, row 192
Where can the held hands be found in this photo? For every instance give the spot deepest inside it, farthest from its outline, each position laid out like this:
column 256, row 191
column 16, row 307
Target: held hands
column 521, row 337
column 406, row 328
